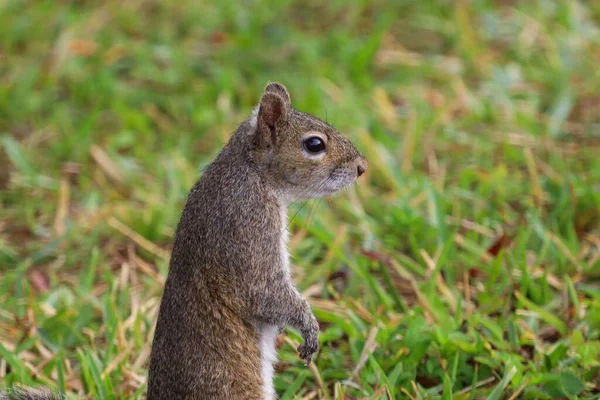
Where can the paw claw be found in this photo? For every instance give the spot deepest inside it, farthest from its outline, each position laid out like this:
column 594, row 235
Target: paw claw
column 307, row 349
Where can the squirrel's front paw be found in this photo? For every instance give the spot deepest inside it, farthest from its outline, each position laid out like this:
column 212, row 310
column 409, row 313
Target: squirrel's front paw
column 309, row 347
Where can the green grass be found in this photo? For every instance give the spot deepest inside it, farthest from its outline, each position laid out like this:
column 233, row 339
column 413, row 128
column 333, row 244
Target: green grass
column 465, row 264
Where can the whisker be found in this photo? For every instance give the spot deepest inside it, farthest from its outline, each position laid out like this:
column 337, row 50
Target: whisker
column 296, row 213
column 310, row 217
column 313, row 192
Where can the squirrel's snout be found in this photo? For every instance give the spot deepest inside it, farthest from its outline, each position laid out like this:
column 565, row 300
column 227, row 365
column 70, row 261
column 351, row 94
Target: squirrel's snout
column 361, row 166
column 360, row 170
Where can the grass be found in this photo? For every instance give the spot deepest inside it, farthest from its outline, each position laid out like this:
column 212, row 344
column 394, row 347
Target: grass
column 465, row 265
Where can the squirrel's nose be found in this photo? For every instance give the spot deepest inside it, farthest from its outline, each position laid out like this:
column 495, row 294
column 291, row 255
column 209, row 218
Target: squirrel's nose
column 360, row 170
column 361, row 167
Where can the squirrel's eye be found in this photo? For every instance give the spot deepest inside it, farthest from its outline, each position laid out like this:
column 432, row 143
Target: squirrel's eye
column 314, row 144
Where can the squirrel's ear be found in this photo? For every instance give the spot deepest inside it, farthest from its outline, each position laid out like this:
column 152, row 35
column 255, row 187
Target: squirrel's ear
column 272, row 109
column 279, row 89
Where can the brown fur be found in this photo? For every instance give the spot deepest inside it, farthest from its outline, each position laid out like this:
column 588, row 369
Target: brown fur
column 228, row 277
column 27, row 393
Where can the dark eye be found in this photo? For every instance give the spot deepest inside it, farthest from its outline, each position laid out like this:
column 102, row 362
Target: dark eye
column 314, row 145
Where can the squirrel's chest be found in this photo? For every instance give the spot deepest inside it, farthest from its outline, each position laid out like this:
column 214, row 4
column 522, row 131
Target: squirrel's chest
column 283, row 241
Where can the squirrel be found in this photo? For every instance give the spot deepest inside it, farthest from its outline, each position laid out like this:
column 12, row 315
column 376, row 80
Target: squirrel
column 229, row 292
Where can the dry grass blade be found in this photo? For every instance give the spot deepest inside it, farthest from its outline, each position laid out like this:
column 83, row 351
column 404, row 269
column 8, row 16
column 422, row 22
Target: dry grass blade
column 369, row 347
column 60, row 226
column 138, row 239
column 106, row 164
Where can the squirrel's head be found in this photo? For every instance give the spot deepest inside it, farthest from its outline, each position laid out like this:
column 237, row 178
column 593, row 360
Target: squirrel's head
column 302, row 155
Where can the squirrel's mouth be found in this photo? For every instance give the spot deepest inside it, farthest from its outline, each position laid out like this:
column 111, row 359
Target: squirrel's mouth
column 338, row 180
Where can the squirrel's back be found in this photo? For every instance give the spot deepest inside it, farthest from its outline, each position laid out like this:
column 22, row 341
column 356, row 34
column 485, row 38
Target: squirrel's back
column 199, row 318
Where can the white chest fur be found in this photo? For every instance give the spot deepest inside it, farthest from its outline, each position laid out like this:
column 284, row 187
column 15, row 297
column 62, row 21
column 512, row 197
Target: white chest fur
column 268, row 357
column 269, row 333
column 283, row 250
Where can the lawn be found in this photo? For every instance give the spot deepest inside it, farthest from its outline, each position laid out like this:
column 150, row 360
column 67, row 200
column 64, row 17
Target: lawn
column 465, row 264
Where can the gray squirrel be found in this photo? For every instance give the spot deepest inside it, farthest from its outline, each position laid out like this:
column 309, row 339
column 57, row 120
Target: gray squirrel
column 229, row 291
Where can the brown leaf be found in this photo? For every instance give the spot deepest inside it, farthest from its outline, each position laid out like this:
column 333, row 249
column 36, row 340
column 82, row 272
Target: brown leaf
column 217, row 38
column 427, row 381
column 83, row 48
column 549, row 334
column 474, row 272
column 339, row 279
column 376, row 256
column 39, row 281
column 527, row 351
column 499, row 243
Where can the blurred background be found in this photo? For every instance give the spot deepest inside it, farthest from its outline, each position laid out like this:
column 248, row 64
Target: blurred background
column 465, row 264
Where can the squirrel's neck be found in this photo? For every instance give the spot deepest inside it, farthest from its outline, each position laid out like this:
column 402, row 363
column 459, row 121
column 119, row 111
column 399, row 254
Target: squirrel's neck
column 283, row 211
column 238, row 152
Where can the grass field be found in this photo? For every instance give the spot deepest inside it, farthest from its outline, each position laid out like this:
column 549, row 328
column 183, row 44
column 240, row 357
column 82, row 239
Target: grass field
column 465, row 264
